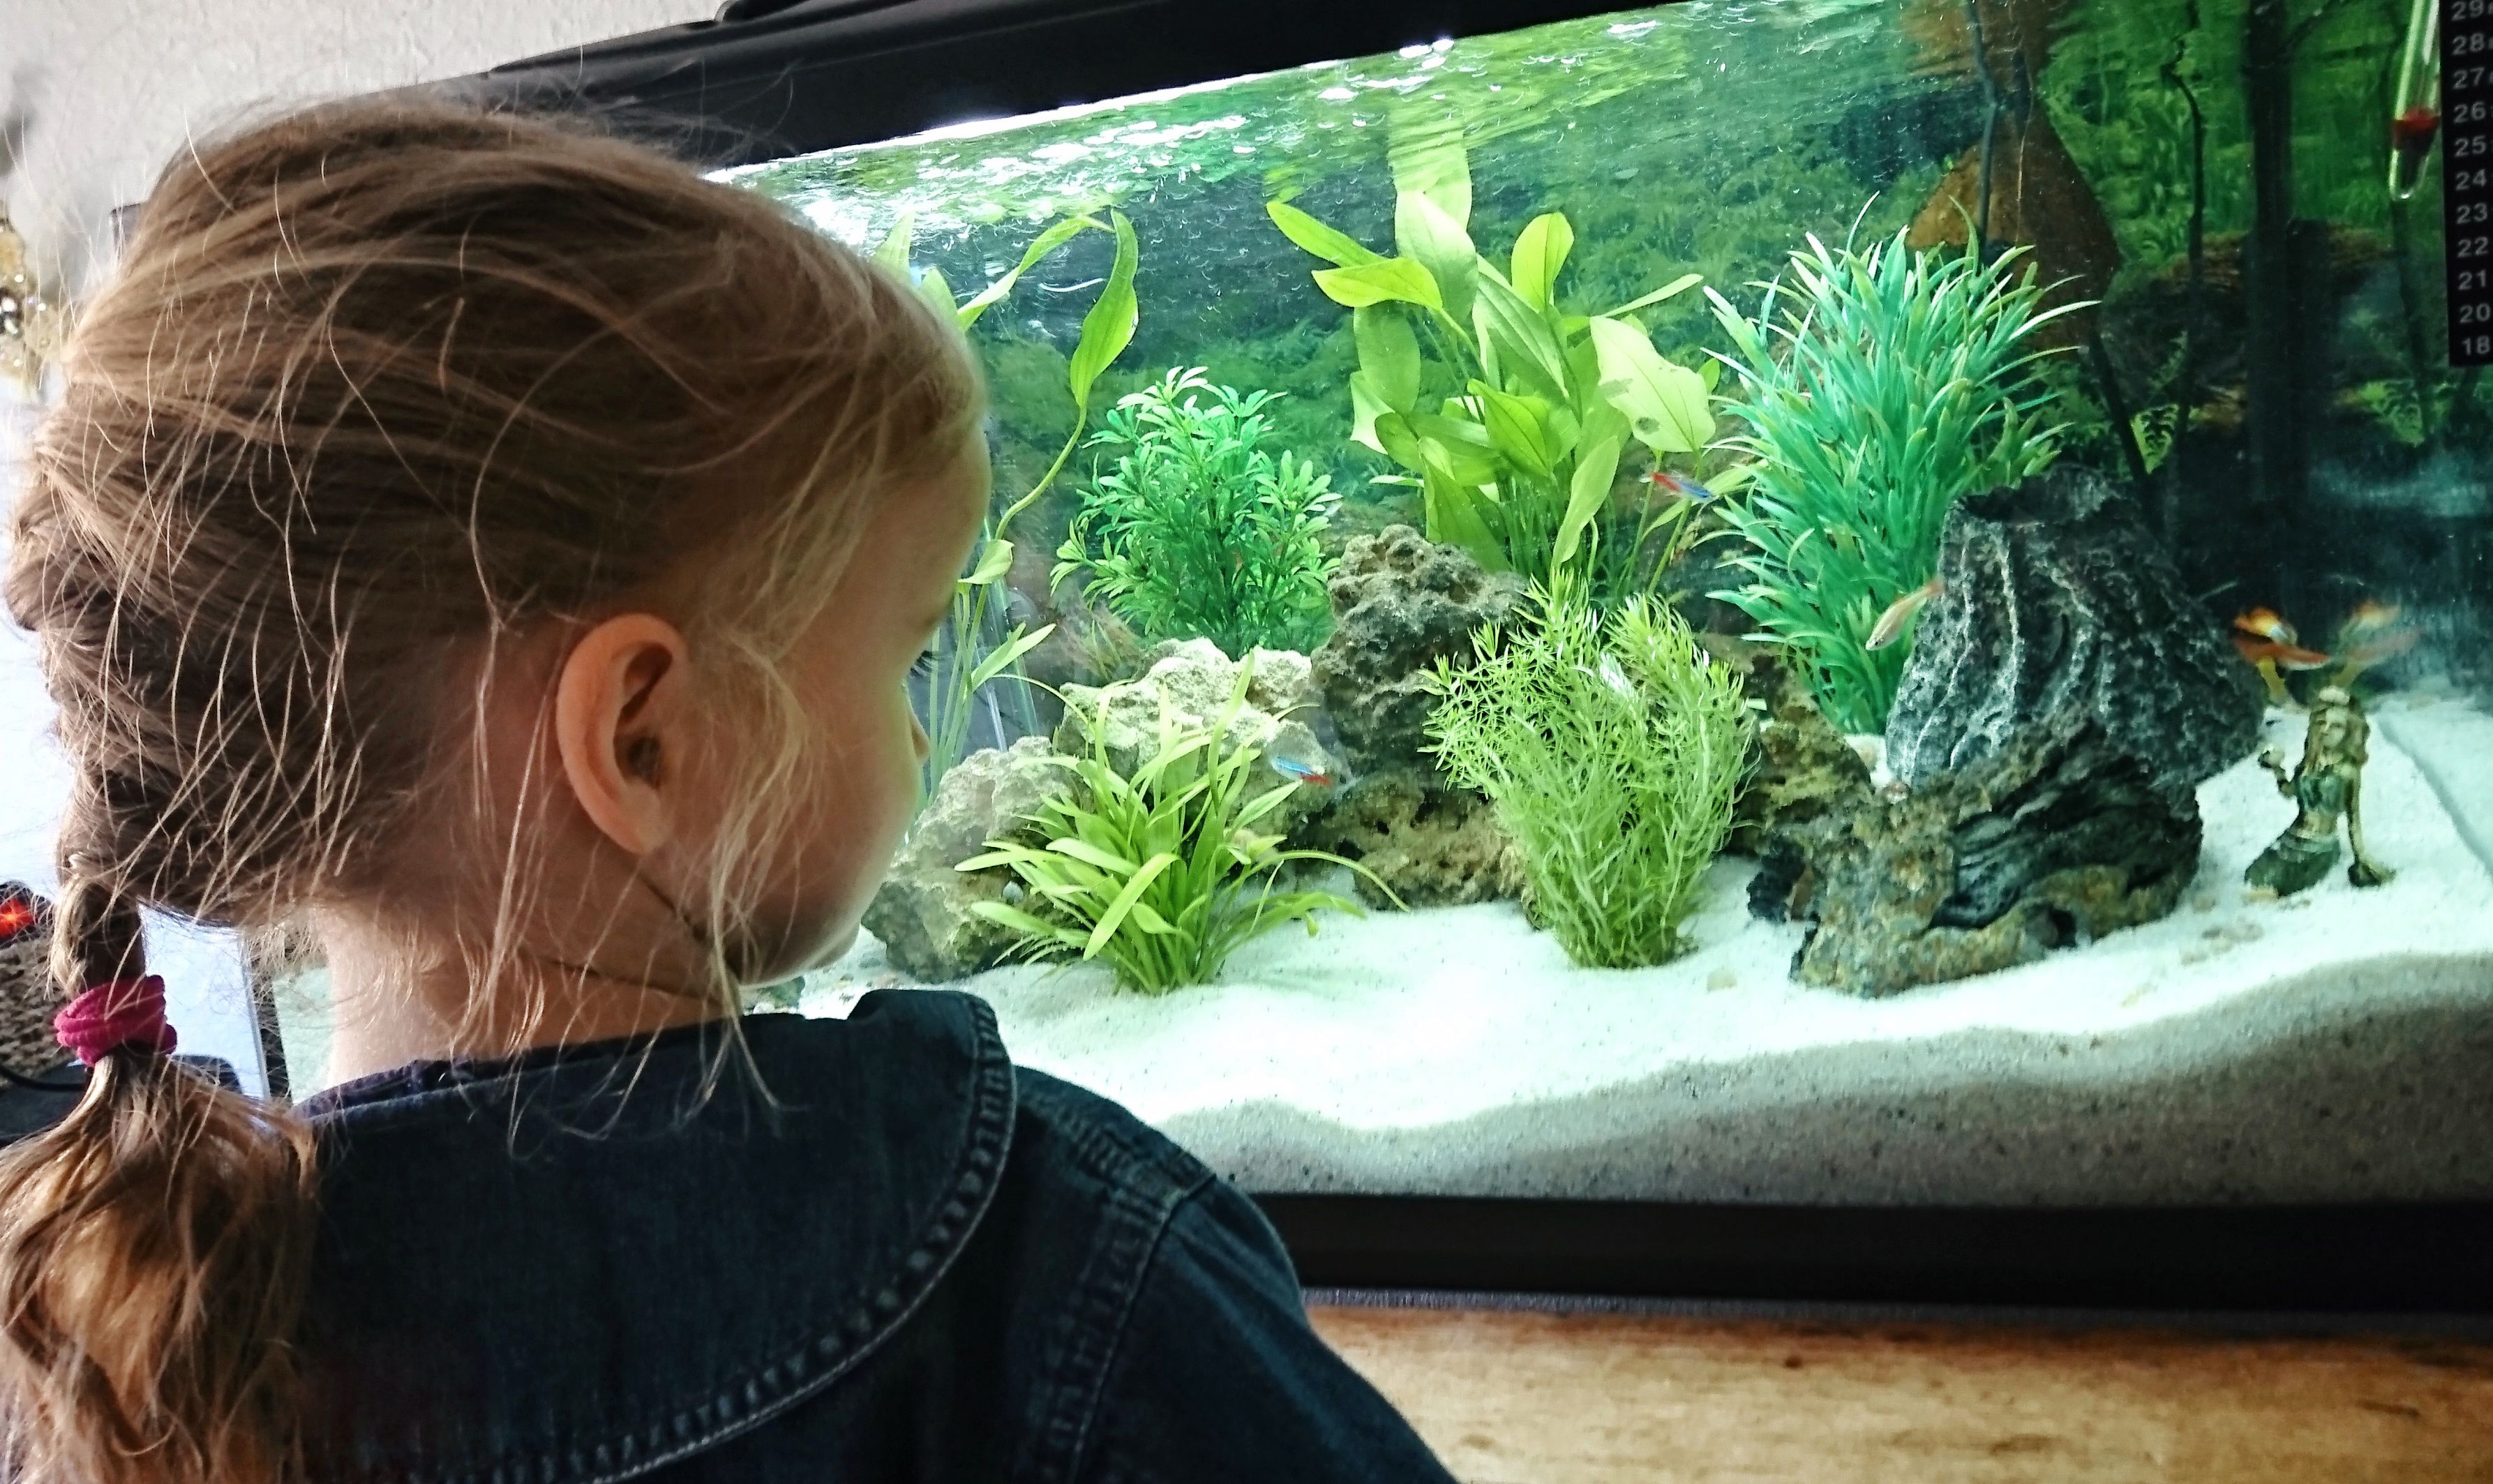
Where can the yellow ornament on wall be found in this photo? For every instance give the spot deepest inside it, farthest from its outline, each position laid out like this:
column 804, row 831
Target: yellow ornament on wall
column 30, row 322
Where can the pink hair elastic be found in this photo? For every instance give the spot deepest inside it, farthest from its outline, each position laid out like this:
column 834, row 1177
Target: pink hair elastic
column 112, row 1014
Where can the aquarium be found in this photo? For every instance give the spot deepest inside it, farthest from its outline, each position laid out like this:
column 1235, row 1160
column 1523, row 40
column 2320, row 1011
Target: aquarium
column 1837, row 601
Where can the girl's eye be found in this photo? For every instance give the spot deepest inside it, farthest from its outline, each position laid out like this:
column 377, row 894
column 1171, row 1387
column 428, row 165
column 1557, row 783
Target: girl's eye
column 924, row 665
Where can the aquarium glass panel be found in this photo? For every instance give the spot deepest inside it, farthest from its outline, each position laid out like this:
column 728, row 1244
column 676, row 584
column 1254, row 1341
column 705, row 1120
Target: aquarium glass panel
column 1828, row 601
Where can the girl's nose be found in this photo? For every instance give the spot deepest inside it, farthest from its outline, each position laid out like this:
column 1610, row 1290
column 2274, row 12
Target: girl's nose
column 917, row 739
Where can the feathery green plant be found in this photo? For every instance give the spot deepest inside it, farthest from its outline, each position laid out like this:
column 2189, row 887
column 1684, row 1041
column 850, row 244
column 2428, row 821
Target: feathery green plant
column 1197, row 530
column 1516, row 469
column 1614, row 749
column 1162, row 874
column 975, row 647
column 1897, row 384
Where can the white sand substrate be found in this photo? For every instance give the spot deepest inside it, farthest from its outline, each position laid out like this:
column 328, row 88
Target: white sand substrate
column 2334, row 1045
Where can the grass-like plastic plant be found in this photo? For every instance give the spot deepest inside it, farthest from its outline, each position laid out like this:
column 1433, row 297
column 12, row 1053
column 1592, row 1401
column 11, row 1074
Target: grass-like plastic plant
column 1198, row 529
column 1614, row 749
column 1877, row 387
column 1162, row 874
column 977, row 646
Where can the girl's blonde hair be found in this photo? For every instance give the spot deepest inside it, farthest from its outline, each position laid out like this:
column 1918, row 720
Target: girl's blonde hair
column 373, row 387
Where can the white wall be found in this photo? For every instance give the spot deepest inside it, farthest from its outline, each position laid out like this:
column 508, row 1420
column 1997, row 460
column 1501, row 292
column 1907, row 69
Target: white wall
column 98, row 93
column 93, row 96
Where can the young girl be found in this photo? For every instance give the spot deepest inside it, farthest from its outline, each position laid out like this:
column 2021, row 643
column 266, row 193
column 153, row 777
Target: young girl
column 496, row 552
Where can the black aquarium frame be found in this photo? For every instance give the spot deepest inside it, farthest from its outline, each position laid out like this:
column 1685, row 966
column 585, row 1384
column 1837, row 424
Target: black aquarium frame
column 771, row 80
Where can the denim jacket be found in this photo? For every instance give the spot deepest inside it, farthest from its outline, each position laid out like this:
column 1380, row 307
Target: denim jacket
column 891, row 1256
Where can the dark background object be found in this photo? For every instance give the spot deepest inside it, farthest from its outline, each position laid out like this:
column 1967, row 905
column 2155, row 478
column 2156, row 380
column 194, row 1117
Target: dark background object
column 2380, row 1260
column 2466, row 200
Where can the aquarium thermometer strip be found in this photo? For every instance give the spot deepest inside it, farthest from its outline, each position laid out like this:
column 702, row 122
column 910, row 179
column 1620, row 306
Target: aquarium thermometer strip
column 2467, row 176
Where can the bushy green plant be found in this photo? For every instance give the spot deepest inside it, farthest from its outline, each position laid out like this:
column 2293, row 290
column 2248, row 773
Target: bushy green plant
column 1614, row 749
column 1876, row 389
column 1198, row 529
column 1518, row 467
column 977, row 645
column 1163, row 874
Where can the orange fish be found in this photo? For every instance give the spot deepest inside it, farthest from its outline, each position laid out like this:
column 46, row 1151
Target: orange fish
column 2264, row 623
column 2370, row 615
column 2285, row 656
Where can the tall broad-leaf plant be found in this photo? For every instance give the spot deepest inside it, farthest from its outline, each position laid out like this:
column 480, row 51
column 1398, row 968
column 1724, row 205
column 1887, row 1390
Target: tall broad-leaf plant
column 975, row 647
column 1518, row 467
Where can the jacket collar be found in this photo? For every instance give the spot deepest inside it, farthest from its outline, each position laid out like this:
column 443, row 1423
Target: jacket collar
column 575, row 1267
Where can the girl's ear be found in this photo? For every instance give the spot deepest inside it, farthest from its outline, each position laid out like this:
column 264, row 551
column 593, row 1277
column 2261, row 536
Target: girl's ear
column 620, row 724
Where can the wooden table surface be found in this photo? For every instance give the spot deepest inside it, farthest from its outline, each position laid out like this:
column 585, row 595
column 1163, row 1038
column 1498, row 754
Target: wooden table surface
column 1531, row 1397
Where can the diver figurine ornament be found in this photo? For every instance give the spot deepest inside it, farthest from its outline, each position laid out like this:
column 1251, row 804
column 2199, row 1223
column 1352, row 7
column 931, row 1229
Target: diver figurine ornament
column 2327, row 784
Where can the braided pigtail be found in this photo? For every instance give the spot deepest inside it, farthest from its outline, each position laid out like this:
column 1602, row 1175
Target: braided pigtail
column 151, row 1243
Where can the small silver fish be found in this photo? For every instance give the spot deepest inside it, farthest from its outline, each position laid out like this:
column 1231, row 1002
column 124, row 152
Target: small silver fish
column 1088, row 282
column 1899, row 616
column 1304, row 772
column 1613, row 675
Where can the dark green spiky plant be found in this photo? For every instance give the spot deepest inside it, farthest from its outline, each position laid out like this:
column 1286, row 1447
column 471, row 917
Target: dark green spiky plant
column 1196, row 528
column 1162, row 874
column 1614, row 749
column 1876, row 389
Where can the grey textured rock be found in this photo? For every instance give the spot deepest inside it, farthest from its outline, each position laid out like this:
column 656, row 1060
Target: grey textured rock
column 923, row 910
column 2055, row 597
column 2060, row 838
column 1401, row 603
column 1804, row 768
column 1433, row 846
column 1191, row 682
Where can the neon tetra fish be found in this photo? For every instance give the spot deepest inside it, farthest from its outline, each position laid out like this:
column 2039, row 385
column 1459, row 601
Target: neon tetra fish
column 1686, row 489
column 1302, row 773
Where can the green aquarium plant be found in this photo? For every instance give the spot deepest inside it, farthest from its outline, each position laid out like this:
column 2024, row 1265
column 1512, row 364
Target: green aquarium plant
column 1614, row 749
column 1519, row 465
column 977, row 646
column 1877, row 389
column 1164, row 873
column 1198, row 529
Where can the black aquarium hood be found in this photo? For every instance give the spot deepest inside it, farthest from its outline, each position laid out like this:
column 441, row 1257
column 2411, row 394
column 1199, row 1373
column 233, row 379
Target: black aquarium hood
column 765, row 81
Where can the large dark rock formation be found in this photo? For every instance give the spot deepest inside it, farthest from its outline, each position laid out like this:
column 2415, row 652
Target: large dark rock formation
column 2056, row 599
column 1401, row 603
column 2058, row 838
